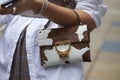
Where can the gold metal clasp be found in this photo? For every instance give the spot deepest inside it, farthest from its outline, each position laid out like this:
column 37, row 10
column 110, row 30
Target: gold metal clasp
column 63, row 48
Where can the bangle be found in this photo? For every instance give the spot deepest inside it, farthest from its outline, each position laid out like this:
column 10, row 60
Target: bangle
column 44, row 6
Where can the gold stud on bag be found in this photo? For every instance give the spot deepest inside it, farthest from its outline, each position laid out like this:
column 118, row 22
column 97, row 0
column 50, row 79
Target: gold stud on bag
column 64, row 45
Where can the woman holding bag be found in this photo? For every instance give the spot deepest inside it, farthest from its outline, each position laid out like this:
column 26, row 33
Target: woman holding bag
column 90, row 12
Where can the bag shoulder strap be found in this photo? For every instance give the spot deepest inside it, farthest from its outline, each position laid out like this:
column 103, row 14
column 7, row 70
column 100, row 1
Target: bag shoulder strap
column 78, row 17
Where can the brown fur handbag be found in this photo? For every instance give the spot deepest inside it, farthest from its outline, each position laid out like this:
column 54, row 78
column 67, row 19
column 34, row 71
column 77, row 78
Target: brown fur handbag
column 64, row 45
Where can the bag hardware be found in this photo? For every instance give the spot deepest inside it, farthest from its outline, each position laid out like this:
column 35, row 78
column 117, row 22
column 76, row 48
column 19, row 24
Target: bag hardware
column 63, row 53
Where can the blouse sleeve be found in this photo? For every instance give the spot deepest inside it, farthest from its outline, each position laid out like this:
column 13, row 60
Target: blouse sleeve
column 95, row 8
column 5, row 19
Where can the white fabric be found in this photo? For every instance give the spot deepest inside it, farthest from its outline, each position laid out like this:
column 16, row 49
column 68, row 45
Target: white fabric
column 95, row 8
column 10, row 37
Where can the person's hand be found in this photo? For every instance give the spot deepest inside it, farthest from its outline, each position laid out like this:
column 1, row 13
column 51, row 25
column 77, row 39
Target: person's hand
column 5, row 10
column 23, row 5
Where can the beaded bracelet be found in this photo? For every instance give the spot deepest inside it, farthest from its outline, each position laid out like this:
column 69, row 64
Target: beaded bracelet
column 44, row 6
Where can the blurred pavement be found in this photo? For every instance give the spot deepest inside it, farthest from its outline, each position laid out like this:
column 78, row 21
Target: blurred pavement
column 105, row 43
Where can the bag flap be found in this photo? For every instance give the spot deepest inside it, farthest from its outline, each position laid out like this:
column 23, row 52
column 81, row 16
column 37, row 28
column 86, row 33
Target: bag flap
column 74, row 34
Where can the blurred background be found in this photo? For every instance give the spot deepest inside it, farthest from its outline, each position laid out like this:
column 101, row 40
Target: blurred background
column 105, row 46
